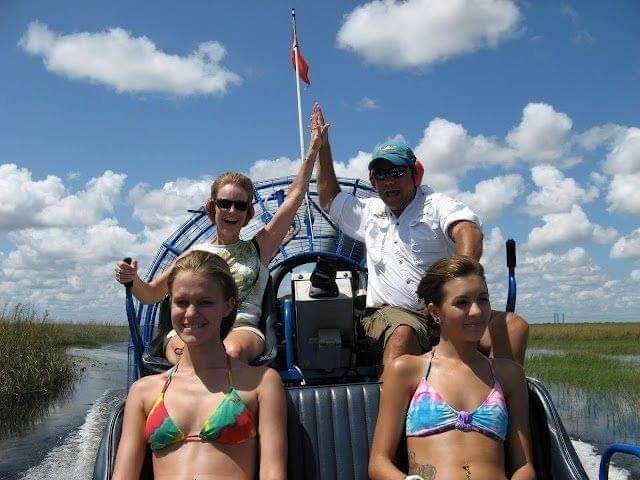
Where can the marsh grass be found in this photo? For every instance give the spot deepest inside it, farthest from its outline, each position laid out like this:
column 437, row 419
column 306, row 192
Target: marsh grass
column 588, row 371
column 35, row 368
column 595, row 338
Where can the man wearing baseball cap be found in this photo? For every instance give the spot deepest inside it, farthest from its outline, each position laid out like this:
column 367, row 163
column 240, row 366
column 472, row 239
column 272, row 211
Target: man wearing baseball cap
column 405, row 230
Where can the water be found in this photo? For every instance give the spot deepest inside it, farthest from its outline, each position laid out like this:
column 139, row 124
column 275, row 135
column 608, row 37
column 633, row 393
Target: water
column 64, row 442
column 532, row 352
column 599, row 419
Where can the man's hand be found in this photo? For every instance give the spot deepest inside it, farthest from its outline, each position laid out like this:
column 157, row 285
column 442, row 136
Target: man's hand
column 319, row 130
column 325, row 126
column 327, row 182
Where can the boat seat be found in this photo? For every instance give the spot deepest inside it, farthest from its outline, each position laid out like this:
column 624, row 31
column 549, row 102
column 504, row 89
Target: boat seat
column 154, row 360
column 330, row 429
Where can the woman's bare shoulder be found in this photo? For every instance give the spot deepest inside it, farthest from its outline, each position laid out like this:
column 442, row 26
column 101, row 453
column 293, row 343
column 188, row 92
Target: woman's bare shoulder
column 406, row 368
column 147, row 386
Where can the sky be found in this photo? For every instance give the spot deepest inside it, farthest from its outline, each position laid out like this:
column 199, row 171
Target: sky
column 117, row 115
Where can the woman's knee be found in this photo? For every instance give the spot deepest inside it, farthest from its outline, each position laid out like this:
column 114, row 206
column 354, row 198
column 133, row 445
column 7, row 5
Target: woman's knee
column 243, row 345
column 233, row 347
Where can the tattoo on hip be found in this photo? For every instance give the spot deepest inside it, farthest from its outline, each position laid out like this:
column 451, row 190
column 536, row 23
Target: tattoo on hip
column 426, row 471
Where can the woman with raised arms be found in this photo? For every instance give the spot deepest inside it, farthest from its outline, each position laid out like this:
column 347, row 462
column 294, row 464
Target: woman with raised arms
column 230, row 208
column 460, row 411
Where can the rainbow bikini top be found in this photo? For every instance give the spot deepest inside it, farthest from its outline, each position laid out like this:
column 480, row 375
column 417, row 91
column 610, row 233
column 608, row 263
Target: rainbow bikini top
column 429, row 413
column 230, row 423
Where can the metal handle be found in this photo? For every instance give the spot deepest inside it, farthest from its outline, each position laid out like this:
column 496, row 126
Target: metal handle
column 603, row 473
column 134, row 327
column 511, row 253
column 511, row 265
column 128, row 261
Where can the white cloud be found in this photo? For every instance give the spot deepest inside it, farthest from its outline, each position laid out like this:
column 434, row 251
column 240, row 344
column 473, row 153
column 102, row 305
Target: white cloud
column 448, row 151
column 25, row 202
column 416, row 33
column 68, row 271
column 604, row 235
column 569, row 11
column 355, row 167
column 493, row 261
column 280, row 167
column 627, row 247
column 367, row 103
column 622, row 162
column 573, row 268
column 94, row 244
column 624, row 158
column 129, row 64
column 580, row 33
column 624, row 193
column 163, row 209
column 598, row 179
column 557, row 193
column 492, row 196
column 566, row 227
column 635, row 275
column 549, row 282
column 596, row 136
column 542, row 135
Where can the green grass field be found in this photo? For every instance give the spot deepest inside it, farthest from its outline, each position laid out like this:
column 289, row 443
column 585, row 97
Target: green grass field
column 585, row 358
column 35, row 366
column 601, row 338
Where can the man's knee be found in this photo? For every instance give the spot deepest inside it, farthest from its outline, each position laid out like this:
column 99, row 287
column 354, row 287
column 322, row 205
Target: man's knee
column 404, row 339
column 517, row 326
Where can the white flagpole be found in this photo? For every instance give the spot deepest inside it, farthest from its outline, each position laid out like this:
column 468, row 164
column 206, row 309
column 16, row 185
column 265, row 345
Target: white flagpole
column 295, row 53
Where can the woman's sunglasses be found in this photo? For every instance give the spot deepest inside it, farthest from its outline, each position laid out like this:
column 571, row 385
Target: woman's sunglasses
column 225, row 204
column 395, row 172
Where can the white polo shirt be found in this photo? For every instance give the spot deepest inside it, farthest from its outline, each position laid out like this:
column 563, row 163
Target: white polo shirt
column 400, row 249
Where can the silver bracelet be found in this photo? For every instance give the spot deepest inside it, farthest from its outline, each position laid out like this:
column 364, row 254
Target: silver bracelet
column 413, row 477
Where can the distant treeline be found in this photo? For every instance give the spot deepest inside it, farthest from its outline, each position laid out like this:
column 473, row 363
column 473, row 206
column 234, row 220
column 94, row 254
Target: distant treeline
column 35, row 367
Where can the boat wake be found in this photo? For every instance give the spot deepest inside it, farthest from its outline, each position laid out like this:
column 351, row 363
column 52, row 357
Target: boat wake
column 591, row 462
column 75, row 457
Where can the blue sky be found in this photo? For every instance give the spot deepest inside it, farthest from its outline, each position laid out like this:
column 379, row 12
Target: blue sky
column 117, row 116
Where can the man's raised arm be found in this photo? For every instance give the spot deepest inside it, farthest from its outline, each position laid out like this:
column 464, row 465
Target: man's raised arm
column 328, row 186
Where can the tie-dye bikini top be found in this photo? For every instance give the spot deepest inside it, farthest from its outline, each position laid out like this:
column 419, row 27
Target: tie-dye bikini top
column 429, row 413
column 231, row 422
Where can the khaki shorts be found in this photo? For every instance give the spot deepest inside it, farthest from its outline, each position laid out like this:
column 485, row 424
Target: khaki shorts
column 380, row 323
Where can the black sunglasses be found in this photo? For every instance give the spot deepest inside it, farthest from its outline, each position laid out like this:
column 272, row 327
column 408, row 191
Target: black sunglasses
column 395, row 172
column 225, row 204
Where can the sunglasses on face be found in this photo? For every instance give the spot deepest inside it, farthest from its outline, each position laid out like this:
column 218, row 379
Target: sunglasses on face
column 225, row 204
column 394, row 172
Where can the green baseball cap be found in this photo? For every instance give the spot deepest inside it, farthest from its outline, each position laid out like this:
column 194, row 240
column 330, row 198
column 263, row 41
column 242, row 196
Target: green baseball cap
column 397, row 153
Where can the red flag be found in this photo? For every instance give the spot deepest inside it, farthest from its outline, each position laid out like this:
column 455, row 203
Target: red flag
column 303, row 67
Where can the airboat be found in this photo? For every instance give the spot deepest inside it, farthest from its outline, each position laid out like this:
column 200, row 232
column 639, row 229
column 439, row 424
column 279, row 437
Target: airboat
column 312, row 341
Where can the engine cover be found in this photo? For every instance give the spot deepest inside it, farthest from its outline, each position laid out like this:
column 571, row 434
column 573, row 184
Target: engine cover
column 324, row 326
